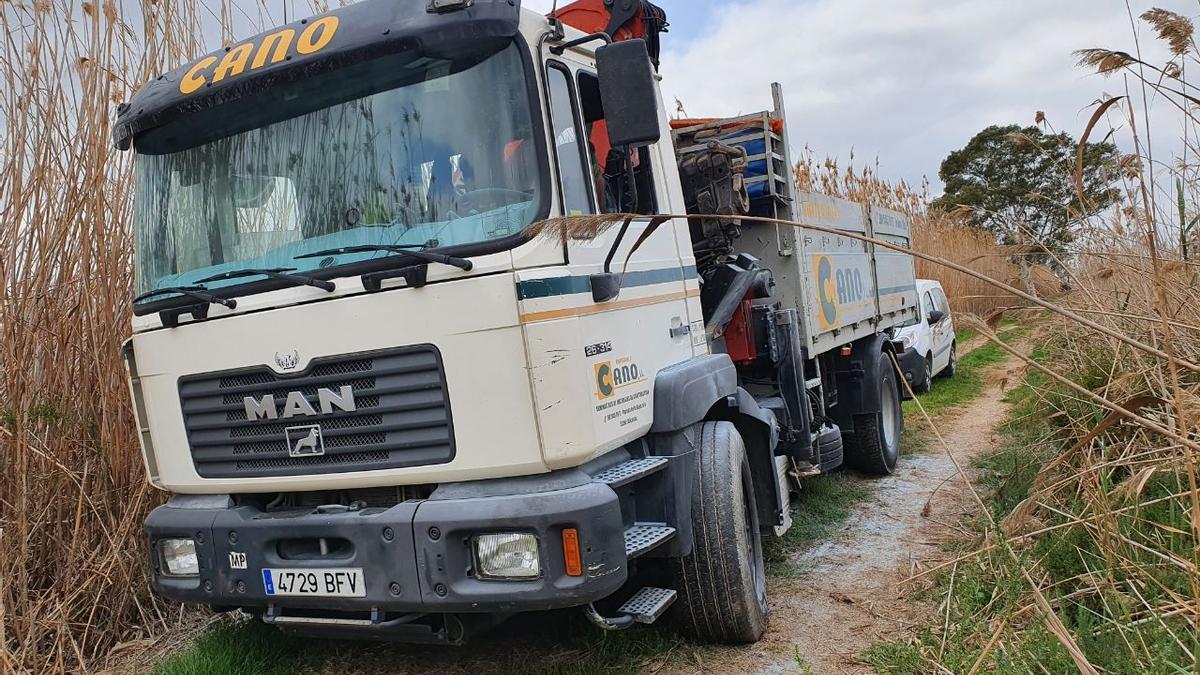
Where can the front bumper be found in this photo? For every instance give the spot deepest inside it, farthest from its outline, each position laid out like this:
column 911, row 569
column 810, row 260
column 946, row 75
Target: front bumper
column 415, row 556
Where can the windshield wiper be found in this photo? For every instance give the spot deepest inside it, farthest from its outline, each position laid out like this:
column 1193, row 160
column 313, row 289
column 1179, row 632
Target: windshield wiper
column 196, row 292
column 280, row 273
column 409, row 251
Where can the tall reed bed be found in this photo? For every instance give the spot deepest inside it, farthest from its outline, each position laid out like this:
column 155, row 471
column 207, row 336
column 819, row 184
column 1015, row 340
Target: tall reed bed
column 935, row 232
column 73, row 492
column 1088, row 555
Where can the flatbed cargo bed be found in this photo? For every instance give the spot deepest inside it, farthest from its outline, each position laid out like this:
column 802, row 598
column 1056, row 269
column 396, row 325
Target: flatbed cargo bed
column 844, row 289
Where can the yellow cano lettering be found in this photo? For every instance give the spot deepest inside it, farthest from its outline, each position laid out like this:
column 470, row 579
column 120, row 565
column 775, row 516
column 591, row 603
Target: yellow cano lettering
column 272, row 48
column 309, row 40
column 234, row 62
column 280, row 40
column 193, row 79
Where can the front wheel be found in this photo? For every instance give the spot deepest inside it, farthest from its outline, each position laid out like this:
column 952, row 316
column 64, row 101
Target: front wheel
column 874, row 447
column 926, row 382
column 722, row 585
column 952, row 367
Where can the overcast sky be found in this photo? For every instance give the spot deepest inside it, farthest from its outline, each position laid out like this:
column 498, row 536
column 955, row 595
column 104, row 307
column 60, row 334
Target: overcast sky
column 906, row 81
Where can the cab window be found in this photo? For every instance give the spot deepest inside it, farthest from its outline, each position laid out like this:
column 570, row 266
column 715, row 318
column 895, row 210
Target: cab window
column 573, row 166
column 927, row 305
column 610, row 166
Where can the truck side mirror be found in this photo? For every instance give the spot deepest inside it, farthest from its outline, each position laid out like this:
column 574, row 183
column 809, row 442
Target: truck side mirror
column 936, row 316
column 605, row 286
column 628, row 93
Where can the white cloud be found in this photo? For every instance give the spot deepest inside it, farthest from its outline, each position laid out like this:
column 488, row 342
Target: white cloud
column 904, row 80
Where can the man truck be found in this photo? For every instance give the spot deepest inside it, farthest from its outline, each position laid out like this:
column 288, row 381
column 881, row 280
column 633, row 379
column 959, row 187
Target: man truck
column 383, row 408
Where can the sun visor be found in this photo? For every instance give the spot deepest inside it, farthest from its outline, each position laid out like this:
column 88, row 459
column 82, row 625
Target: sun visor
column 310, row 47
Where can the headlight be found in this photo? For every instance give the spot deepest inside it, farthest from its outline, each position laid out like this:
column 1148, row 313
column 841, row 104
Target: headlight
column 905, row 341
column 179, row 557
column 506, row 556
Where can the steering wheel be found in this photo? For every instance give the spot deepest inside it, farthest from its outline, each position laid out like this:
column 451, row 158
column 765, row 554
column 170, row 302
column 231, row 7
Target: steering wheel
column 489, row 199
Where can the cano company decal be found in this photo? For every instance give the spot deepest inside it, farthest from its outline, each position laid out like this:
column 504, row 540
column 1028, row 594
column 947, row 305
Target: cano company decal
column 265, row 50
column 836, row 287
column 622, row 389
column 610, row 377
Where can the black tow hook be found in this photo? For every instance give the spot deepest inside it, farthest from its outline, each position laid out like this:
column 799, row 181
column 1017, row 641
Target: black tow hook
column 339, row 508
column 603, row 622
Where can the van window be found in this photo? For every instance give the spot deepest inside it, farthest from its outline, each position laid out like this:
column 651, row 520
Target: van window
column 927, row 305
column 943, row 303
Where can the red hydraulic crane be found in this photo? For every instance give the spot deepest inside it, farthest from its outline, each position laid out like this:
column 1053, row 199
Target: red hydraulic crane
column 619, row 19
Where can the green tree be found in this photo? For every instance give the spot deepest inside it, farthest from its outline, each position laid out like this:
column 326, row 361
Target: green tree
column 1020, row 184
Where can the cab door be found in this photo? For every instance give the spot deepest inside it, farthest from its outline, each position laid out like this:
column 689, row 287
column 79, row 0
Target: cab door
column 594, row 357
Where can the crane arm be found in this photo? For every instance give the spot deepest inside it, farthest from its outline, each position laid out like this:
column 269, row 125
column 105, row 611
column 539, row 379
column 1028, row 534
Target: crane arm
column 619, row 19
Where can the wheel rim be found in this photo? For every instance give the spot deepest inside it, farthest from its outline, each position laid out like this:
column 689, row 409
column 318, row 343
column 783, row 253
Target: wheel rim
column 953, row 358
column 753, row 541
column 889, row 414
column 928, row 370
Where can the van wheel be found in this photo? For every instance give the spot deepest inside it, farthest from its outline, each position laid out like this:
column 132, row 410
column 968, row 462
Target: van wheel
column 874, row 447
column 722, row 585
column 951, row 368
column 926, row 382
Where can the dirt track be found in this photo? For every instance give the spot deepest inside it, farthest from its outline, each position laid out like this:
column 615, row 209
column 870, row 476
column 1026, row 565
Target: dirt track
column 849, row 596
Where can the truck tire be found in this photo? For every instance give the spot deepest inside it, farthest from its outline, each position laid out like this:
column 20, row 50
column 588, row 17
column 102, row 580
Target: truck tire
column 952, row 367
column 829, row 448
column 874, row 447
column 722, row 584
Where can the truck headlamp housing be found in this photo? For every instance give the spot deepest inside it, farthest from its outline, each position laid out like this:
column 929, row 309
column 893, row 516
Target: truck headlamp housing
column 509, row 555
column 178, row 557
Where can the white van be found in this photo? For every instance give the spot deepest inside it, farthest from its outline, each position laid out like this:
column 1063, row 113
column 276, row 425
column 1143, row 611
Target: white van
column 929, row 340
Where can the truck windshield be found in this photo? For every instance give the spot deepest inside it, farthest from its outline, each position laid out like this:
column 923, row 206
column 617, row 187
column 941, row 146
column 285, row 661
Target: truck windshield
column 443, row 159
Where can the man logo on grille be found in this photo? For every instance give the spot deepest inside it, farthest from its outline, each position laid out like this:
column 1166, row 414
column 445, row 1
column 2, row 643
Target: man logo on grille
column 305, row 441
column 289, row 360
column 298, row 405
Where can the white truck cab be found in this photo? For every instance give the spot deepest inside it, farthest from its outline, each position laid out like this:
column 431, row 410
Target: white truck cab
column 384, row 408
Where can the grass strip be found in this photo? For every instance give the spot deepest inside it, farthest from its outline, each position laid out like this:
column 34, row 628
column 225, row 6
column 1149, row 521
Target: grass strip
column 989, row 619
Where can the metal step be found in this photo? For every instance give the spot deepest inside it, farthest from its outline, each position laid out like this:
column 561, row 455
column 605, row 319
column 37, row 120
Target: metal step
column 645, row 536
column 627, row 472
column 648, row 604
column 802, row 470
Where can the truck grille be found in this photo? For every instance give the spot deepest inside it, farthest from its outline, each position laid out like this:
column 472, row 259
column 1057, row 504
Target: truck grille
column 401, row 416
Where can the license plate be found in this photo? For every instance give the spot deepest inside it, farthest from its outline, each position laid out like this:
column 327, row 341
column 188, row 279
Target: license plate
column 319, row 583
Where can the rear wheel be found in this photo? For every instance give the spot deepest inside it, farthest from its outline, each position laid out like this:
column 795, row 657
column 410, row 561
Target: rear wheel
column 722, row 585
column 874, row 447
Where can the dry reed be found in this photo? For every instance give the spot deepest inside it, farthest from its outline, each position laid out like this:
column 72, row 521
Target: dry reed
column 1089, row 551
column 73, row 492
